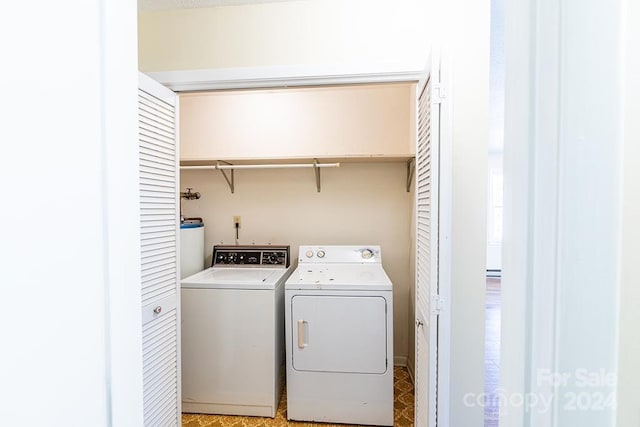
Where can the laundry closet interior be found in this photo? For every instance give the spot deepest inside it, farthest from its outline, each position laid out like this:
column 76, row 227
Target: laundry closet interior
column 293, row 155
column 362, row 133
column 366, row 129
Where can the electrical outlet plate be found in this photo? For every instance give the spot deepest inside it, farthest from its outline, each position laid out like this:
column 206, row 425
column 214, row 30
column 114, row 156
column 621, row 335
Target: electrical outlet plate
column 236, row 220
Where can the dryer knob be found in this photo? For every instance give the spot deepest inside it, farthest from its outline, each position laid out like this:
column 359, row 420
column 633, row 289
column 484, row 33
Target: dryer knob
column 320, row 254
column 309, row 254
column 367, row 253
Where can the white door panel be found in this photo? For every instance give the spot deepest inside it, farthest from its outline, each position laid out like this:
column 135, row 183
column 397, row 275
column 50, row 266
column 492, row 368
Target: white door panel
column 427, row 247
column 159, row 225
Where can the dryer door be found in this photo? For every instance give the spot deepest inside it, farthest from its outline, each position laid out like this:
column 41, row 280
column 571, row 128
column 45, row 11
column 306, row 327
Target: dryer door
column 339, row 334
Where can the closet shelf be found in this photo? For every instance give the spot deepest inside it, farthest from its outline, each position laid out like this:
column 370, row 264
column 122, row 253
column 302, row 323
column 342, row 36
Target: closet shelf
column 224, row 166
column 289, row 163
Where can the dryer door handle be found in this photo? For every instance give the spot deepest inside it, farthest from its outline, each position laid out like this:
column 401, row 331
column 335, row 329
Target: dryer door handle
column 303, row 327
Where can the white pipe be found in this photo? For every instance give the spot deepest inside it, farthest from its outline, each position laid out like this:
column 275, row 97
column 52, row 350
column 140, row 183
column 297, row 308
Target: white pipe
column 199, row 167
column 276, row 166
column 266, row 166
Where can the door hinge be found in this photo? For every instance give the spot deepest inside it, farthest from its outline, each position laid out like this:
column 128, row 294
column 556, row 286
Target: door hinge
column 438, row 93
column 437, row 303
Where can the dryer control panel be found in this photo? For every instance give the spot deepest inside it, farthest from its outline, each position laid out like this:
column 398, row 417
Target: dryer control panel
column 250, row 256
column 340, row 254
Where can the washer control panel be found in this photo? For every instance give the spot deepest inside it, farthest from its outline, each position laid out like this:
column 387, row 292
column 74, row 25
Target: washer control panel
column 340, row 254
column 256, row 256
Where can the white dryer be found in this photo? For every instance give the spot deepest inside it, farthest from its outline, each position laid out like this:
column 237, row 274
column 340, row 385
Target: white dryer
column 339, row 337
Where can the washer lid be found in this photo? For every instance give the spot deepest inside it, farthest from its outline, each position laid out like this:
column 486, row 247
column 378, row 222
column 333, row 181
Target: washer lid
column 235, row 278
column 345, row 277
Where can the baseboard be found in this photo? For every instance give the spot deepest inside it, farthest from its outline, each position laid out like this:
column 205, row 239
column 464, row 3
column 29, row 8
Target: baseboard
column 400, row 361
column 411, row 370
column 494, row 274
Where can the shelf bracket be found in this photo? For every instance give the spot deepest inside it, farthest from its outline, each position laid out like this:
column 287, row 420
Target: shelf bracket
column 231, row 181
column 411, row 167
column 317, row 171
column 231, row 177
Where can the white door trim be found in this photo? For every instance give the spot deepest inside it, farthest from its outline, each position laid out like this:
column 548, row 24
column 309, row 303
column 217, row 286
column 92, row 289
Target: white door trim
column 445, row 219
column 118, row 56
column 561, row 260
column 281, row 76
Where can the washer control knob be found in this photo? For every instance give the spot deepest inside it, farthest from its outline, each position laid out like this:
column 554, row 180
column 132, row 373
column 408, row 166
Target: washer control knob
column 320, row 253
column 367, row 253
column 309, row 254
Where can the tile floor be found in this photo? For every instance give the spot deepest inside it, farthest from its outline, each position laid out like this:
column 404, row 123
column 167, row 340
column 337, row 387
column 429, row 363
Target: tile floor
column 403, row 410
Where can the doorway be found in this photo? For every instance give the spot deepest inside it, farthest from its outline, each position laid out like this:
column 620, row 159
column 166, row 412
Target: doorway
column 493, row 301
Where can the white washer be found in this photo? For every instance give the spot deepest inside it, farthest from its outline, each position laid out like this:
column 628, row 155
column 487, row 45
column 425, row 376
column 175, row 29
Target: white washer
column 233, row 332
column 339, row 337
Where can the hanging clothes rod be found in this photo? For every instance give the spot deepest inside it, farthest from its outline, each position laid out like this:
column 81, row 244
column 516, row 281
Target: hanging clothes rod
column 265, row 166
column 231, row 179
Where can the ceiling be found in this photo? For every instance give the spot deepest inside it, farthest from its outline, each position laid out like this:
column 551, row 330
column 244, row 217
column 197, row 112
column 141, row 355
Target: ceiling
column 150, row 5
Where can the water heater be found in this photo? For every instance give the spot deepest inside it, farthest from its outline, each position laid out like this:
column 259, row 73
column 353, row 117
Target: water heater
column 191, row 248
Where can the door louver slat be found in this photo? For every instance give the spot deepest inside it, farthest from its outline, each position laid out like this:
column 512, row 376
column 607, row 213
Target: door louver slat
column 158, row 250
column 426, row 251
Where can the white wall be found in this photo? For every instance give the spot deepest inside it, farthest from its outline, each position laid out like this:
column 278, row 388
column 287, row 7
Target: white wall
column 360, row 203
column 311, row 32
column 466, row 36
column 67, row 252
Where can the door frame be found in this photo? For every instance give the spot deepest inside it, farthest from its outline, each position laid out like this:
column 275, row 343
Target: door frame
column 265, row 77
column 118, row 58
column 544, row 129
column 281, row 76
column 445, row 233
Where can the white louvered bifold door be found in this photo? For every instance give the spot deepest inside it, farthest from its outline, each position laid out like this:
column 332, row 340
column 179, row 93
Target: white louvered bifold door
column 159, row 228
column 426, row 253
